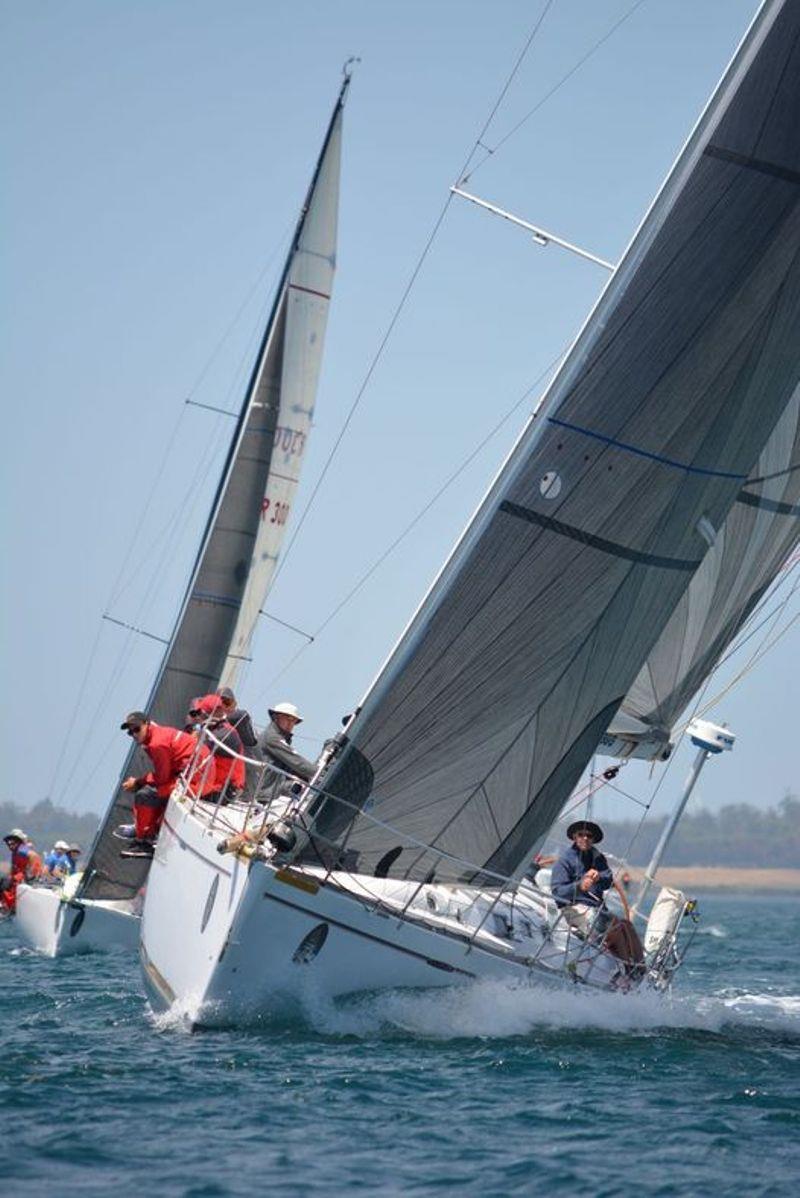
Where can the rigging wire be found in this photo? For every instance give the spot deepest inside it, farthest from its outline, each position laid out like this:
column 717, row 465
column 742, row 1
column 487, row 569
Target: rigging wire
column 700, row 709
column 404, row 296
column 756, row 658
column 171, row 530
column 742, row 640
column 464, row 178
column 423, row 511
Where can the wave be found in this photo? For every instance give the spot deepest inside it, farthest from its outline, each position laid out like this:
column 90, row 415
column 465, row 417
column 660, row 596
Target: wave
column 500, row 1010
column 179, row 1017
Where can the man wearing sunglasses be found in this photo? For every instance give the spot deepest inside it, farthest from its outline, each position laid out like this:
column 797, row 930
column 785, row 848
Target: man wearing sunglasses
column 171, row 752
column 580, row 878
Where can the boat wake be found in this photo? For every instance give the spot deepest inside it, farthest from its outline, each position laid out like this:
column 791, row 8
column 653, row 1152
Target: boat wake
column 496, row 1010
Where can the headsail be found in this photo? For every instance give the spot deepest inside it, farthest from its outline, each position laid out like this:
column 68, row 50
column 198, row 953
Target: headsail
column 490, row 706
column 243, row 536
column 758, row 536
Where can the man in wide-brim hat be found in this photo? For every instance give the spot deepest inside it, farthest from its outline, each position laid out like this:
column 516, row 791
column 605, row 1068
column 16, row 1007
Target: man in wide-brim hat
column 580, row 878
column 275, row 747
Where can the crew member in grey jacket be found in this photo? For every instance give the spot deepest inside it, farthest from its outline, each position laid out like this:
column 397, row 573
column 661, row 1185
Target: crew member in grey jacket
column 275, row 746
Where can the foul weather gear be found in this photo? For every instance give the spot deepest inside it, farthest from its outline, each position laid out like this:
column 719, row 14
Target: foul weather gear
column 171, row 751
column 26, row 866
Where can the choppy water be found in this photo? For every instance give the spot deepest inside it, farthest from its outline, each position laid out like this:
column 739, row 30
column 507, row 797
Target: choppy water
column 488, row 1090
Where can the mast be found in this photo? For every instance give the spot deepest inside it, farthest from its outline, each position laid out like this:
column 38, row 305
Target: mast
column 221, row 578
column 709, row 740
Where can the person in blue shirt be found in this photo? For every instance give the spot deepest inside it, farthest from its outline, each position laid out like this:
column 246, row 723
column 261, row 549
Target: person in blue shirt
column 57, row 863
column 579, row 881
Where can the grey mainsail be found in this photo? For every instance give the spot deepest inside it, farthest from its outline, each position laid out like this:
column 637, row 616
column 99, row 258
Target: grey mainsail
column 240, row 546
column 761, row 530
column 490, row 706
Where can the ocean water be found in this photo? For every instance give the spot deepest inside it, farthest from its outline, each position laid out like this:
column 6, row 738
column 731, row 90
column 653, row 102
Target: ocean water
column 486, row 1090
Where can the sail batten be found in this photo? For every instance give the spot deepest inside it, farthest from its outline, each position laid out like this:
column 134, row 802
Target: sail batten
column 245, row 529
column 616, row 493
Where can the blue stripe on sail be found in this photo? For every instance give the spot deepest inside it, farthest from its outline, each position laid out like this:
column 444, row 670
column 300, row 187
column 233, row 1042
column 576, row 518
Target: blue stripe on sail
column 644, row 453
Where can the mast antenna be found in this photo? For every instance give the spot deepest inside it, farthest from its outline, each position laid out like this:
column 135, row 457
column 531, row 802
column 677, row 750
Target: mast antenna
column 349, row 65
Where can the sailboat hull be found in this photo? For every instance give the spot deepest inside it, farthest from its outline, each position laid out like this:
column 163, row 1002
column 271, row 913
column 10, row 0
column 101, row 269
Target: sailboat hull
column 56, row 927
column 226, row 940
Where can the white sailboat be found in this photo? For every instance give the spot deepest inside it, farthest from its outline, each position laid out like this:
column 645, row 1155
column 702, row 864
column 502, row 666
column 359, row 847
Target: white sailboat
column 235, row 564
column 643, row 512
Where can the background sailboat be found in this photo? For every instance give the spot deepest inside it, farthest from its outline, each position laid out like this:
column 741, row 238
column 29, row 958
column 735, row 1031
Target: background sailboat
column 240, row 546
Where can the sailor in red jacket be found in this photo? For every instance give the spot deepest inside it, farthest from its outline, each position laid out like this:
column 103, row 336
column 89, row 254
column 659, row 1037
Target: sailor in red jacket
column 26, row 865
column 228, row 771
column 171, row 751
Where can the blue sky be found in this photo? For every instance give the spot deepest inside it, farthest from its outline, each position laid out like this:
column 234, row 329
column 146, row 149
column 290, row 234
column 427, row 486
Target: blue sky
column 155, row 156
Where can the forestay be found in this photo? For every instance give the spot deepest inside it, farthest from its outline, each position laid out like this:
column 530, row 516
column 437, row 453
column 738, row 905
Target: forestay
column 761, row 530
column 243, row 536
column 489, row 708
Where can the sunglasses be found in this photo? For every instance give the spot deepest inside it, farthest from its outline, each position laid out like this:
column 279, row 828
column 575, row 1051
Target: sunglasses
column 134, row 729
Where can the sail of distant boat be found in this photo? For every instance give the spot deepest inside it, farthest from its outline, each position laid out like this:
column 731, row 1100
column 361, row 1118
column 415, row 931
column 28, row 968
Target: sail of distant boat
column 490, row 706
column 242, row 540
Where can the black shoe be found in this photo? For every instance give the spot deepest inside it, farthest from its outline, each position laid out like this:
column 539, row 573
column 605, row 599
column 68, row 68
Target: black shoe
column 125, row 832
column 139, row 848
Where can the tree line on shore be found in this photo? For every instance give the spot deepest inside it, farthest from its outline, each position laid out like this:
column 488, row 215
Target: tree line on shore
column 738, row 835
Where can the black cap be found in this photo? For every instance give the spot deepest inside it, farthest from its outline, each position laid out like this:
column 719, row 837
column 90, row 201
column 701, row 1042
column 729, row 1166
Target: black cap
column 226, row 693
column 586, row 825
column 135, row 717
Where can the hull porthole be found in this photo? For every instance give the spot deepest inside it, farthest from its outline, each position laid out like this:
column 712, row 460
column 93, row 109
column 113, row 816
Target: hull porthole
column 209, row 907
column 310, row 945
column 77, row 922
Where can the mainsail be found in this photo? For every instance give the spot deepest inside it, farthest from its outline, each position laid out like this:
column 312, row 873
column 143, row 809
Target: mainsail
column 761, row 530
column 242, row 540
column 479, row 725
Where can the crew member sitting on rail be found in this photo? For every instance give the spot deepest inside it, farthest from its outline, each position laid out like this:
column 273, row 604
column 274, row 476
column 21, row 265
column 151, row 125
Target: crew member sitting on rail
column 240, row 719
column 275, row 746
column 57, row 863
column 578, row 883
column 26, row 866
column 171, row 751
column 227, row 771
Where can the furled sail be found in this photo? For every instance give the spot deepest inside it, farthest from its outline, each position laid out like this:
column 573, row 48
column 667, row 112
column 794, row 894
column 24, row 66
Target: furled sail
column 761, row 530
column 479, row 725
column 243, row 536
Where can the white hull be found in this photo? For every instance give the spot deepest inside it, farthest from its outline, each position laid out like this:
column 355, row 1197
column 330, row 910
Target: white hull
column 58, row 927
column 228, row 940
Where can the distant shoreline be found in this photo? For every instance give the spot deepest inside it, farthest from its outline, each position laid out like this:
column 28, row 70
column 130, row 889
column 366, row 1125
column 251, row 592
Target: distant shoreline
column 723, row 877
column 701, row 877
